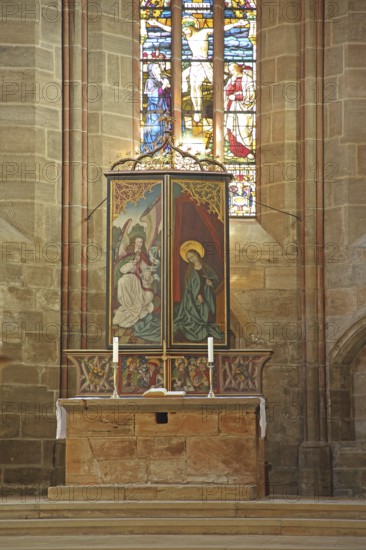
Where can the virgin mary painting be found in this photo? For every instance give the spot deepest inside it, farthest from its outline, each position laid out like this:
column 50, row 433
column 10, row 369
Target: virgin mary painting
column 195, row 316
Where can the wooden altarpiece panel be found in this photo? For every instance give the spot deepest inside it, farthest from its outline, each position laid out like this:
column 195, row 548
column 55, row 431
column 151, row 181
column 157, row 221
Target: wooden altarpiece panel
column 236, row 372
column 167, row 264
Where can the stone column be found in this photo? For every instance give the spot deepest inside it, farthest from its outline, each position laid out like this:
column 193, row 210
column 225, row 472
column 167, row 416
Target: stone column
column 265, row 251
column 315, row 456
column 30, row 196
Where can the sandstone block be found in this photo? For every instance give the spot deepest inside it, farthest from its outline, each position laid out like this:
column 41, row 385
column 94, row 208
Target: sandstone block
column 334, row 60
column 9, row 425
column 20, row 56
column 16, row 452
column 335, row 128
column 161, row 447
column 113, row 65
column 15, row 373
column 354, row 83
column 38, row 276
column 356, row 55
column 224, row 459
column 287, row 68
column 40, row 350
column 341, row 301
column 29, row 476
column 45, row 427
column 281, row 277
column 30, row 400
column 178, row 424
column 93, row 123
column 246, row 277
column 95, row 421
column 354, row 129
column 124, row 471
column 167, row 471
column 241, row 422
column 113, row 448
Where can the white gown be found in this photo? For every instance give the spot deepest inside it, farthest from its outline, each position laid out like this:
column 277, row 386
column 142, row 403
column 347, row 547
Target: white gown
column 135, row 299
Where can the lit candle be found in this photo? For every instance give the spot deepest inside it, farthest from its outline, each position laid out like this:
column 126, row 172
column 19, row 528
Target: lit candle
column 115, row 349
column 210, row 349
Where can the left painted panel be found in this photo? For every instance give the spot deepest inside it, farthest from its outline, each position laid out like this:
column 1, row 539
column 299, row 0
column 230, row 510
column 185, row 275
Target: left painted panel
column 135, row 282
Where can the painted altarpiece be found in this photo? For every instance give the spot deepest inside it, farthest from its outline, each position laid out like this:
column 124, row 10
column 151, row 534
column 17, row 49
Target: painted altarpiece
column 167, row 283
column 167, row 260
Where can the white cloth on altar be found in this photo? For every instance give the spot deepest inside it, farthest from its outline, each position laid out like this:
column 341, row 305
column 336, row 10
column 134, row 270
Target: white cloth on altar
column 262, row 417
column 61, row 415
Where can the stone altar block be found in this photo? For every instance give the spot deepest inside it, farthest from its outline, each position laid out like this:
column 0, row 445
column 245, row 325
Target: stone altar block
column 189, row 441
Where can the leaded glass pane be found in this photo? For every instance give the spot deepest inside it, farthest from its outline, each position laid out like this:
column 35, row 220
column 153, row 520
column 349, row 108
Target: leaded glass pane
column 155, row 71
column 239, row 104
column 242, row 190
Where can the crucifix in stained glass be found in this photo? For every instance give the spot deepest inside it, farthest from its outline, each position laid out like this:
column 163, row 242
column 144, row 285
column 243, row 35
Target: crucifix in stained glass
column 202, row 79
column 197, row 76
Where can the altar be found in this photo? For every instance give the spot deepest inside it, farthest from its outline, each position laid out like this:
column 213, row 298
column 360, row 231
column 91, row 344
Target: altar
column 187, row 443
column 168, row 319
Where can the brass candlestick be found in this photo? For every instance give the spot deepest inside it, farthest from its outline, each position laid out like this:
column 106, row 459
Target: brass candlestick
column 115, row 383
column 211, row 392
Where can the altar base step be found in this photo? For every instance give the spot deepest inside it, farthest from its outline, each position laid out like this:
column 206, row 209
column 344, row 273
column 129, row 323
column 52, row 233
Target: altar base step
column 278, row 519
column 177, row 542
column 153, row 492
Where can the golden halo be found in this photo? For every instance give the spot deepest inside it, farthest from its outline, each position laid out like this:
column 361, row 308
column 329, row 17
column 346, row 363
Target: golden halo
column 191, row 245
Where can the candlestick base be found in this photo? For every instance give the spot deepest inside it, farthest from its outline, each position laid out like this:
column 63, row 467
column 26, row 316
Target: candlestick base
column 211, row 392
column 115, row 383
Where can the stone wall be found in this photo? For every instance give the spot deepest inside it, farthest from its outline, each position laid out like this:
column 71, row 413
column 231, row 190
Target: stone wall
column 276, row 270
column 345, row 272
column 345, row 148
column 110, row 137
column 30, row 134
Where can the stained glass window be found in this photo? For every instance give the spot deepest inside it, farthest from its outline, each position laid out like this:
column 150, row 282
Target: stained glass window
column 199, row 66
column 155, row 73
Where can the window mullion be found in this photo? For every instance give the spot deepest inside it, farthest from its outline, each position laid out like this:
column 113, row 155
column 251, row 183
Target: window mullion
column 177, row 69
column 218, row 70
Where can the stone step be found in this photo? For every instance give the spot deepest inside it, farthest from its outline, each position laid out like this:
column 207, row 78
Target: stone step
column 153, row 492
column 176, row 542
column 184, row 526
column 332, row 510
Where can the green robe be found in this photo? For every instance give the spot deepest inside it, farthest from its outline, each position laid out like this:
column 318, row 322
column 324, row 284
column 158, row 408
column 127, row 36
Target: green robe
column 194, row 320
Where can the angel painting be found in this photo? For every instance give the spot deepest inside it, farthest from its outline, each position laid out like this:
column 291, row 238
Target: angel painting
column 136, row 273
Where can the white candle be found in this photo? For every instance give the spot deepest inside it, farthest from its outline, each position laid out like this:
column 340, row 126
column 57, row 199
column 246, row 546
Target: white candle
column 210, row 349
column 115, row 349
